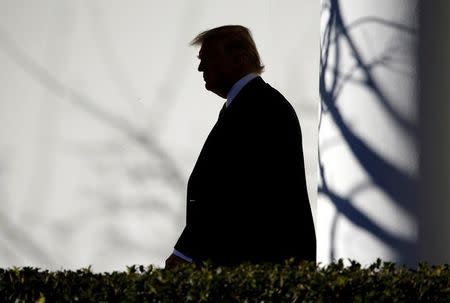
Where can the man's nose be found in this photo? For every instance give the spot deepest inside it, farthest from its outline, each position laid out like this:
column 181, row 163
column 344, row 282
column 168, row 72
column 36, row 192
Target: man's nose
column 200, row 67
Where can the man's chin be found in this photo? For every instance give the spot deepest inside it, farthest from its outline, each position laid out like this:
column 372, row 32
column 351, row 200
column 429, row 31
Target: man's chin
column 208, row 87
column 214, row 90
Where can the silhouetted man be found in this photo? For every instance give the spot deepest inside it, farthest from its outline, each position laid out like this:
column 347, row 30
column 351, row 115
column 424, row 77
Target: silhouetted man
column 246, row 196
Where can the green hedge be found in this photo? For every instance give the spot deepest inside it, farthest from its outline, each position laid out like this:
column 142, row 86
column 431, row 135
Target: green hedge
column 288, row 282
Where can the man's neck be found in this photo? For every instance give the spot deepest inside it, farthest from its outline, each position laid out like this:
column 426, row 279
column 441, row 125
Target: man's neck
column 238, row 86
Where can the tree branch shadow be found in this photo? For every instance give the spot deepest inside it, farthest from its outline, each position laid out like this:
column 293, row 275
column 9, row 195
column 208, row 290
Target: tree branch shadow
column 380, row 172
column 142, row 139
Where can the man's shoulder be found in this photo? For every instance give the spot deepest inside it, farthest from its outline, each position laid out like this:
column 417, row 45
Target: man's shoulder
column 275, row 102
column 260, row 101
column 263, row 90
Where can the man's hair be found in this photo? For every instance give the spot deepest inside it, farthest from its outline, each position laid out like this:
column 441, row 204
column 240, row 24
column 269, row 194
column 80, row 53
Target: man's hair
column 234, row 39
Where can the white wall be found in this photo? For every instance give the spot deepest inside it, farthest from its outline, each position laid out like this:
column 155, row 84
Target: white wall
column 368, row 145
column 103, row 114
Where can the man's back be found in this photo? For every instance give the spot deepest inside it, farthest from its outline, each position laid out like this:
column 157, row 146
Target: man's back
column 247, row 198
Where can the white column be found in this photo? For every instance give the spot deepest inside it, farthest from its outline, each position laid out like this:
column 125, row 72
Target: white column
column 368, row 142
column 434, row 207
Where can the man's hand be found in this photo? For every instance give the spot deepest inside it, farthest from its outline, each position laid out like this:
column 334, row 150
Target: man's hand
column 173, row 261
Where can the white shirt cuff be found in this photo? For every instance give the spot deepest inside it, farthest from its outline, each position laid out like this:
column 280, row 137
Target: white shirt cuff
column 182, row 256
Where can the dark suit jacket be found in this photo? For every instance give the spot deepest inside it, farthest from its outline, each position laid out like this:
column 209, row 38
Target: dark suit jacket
column 246, row 196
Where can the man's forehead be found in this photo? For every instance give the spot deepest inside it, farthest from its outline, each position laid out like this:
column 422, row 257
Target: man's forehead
column 204, row 49
column 201, row 52
column 209, row 48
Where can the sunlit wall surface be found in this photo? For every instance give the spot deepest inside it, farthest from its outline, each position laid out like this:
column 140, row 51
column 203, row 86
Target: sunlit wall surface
column 368, row 128
column 103, row 114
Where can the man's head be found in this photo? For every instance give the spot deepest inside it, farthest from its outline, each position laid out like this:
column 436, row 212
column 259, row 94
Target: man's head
column 227, row 54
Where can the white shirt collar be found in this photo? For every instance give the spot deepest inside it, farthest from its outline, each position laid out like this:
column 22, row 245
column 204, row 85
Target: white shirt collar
column 237, row 87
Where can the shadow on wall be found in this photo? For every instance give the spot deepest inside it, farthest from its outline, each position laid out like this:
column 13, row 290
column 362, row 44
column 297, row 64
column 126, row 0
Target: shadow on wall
column 157, row 159
column 393, row 182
